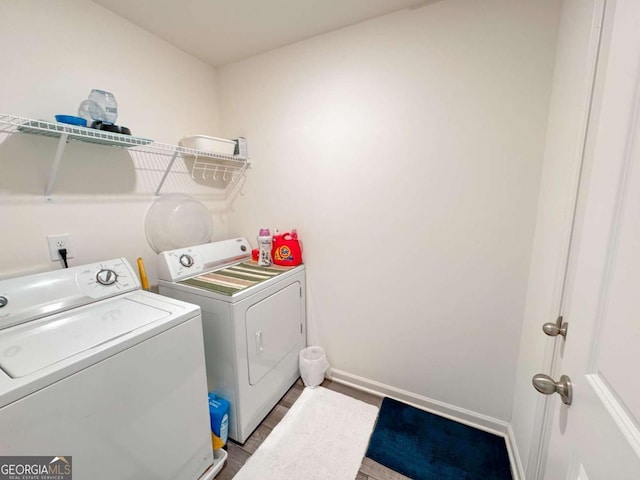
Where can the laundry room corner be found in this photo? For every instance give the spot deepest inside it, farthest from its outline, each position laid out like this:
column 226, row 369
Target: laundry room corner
column 100, row 195
column 400, row 150
column 273, row 205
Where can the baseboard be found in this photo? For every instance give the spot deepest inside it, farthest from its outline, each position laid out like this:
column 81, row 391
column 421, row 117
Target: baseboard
column 457, row 414
column 514, row 456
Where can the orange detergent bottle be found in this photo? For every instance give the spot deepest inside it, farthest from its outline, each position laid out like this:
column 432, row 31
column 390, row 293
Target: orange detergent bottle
column 287, row 249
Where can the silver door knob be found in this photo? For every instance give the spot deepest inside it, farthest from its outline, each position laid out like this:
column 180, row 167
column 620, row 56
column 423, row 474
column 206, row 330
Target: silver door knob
column 547, row 385
column 554, row 329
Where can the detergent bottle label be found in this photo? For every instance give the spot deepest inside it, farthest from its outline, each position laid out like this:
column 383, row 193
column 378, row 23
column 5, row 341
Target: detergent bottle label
column 224, row 429
column 283, row 253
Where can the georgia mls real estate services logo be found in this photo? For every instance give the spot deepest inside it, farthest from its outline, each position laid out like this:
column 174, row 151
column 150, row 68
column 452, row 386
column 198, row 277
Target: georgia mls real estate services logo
column 35, row 468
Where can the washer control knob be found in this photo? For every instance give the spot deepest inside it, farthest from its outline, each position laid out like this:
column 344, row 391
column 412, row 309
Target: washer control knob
column 3, row 301
column 106, row 277
column 186, row 260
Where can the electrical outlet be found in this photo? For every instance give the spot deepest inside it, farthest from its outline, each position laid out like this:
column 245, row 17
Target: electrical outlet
column 56, row 242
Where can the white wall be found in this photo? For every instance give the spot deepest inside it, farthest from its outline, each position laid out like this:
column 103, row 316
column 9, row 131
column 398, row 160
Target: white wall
column 407, row 152
column 53, row 54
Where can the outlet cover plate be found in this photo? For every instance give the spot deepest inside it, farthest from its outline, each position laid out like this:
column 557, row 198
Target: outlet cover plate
column 57, row 242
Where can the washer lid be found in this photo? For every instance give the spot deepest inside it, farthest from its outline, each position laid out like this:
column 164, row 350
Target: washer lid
column 31, row 346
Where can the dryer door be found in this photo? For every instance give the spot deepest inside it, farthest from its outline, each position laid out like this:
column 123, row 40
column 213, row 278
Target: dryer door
column 274, row 328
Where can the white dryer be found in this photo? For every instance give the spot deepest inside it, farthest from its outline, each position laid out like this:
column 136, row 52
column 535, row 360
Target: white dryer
column 93, row 368
column 253, row 319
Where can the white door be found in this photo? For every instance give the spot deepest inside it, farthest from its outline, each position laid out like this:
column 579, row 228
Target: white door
column 597, row 437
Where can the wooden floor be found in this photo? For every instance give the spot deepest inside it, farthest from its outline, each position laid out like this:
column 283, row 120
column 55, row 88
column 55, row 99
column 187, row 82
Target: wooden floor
column 239, row 454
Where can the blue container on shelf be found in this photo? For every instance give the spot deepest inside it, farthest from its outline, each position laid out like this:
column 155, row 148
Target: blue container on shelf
column 219, row 412
column 71, row 120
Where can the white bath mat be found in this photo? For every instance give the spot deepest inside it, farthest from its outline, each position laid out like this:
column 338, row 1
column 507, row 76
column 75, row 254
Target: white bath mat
column 323, row 436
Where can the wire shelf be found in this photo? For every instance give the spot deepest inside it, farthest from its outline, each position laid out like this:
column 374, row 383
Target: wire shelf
column 13, row 124
column 206, row 165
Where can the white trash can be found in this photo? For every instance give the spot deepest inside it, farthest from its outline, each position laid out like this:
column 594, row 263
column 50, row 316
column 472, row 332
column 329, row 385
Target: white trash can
column 313, row 363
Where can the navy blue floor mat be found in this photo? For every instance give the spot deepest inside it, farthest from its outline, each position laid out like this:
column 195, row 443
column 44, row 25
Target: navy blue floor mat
column 424, row 446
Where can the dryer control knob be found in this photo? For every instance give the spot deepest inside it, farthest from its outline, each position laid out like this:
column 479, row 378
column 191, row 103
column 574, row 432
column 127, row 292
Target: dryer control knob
column 106, row 277
column 186, row 260
column 3, row 301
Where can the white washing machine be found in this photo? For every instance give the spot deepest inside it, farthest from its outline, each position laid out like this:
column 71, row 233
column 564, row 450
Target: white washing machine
column 93, row 368
column 253, row 320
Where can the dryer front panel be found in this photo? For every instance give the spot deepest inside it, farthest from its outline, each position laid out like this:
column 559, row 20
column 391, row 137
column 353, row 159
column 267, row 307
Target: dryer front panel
column 274, row 328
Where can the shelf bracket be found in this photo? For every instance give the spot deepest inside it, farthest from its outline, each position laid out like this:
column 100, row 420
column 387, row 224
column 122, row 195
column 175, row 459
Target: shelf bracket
column 164, row 177
column 62, row 143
